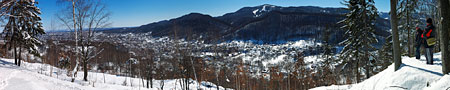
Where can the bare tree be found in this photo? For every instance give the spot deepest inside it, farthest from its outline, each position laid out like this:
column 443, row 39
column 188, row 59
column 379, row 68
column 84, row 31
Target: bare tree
column 68, row 20
column 149, row 67
column 87, row 16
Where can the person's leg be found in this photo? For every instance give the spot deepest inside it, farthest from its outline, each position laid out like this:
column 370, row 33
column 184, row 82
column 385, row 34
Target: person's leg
column 417, row 51
column 427, row 55
column 431, row 55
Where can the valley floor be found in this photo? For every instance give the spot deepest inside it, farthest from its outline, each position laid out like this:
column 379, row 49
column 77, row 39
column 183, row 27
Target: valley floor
column 413, row 75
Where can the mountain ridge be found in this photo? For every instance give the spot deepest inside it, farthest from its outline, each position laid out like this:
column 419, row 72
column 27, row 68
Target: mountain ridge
column 264, row 24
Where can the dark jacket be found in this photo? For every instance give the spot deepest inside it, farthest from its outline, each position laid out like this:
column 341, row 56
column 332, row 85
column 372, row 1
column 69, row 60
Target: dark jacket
column 429, row 32
column 418, row 38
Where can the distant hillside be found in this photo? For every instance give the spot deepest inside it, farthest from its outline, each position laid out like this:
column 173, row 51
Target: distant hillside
column 261, row 24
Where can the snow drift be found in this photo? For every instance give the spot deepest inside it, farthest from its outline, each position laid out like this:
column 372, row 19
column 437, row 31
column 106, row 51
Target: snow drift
column 413, row 75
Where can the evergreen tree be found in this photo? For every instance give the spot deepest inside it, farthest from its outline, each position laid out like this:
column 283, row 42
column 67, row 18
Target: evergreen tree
column 327, row 55
column 385, row 56
column 23, row 27
column 360, row 28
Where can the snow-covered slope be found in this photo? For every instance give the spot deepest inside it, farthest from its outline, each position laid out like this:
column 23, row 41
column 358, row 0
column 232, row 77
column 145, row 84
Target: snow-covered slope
column 413, row 75
column 36, row 76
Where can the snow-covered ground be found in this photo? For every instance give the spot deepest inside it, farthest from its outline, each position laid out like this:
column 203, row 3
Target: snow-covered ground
column 413, row 75
column 36, row 76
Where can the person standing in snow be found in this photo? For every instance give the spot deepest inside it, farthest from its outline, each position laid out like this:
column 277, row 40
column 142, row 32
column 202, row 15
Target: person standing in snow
column 428, row 40
column 419, row 41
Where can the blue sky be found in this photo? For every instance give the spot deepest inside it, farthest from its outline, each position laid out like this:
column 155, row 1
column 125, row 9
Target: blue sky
column 126, row 13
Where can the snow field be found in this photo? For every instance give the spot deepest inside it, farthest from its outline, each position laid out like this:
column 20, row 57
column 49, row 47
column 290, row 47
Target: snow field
column 30, row 77
column 413, row 75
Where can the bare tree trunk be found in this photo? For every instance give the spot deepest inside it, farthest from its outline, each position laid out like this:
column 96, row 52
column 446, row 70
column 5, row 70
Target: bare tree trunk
column 84, row 50
column 131, row 75
column 104, row 78
column 20, row 55
column 217, row 80
column 396, row 44
column 148, row 82
column 85, row 69
column 193, row 68
column 142, row 79
column 237, row 84
column 51, row 70
column 150, row 76
column 15, row 54
column 445, row 22
column 75, row 71
column 162, row 80
column 151, row 81
column 187, row 84
column 76, row 41
column 288, row 80
column 357, row 68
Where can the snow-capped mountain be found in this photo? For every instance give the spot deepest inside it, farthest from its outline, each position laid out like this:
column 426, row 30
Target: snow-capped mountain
column 263, row 24
column 265, row 8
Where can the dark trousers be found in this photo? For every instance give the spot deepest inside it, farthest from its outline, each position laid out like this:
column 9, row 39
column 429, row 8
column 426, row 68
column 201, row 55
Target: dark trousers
column 418, row 51
column 429, row 55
